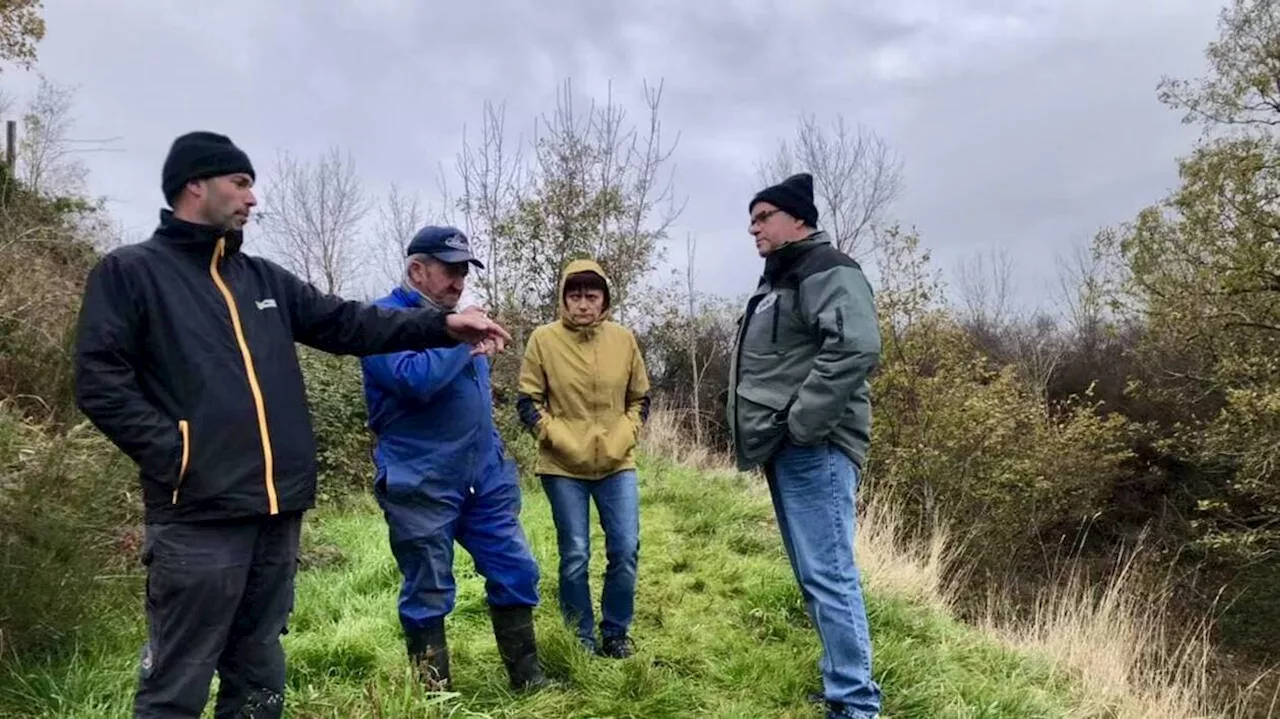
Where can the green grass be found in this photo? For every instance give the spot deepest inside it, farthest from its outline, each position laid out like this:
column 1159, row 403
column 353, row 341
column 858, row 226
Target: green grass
column 720, row 629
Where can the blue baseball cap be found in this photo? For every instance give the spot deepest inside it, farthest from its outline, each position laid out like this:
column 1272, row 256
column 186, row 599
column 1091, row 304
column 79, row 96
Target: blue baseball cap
column 447, row 244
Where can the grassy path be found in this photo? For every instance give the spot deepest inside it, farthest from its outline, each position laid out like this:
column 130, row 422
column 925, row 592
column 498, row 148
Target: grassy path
column 720, row 631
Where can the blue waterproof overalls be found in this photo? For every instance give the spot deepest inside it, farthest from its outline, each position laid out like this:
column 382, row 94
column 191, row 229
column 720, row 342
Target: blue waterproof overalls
column 442, row 475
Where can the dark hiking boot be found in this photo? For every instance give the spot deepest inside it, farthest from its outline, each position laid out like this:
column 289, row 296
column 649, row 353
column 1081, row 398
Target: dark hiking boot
column 262, row 704
column 513, row 630
column 617, row 647
column 429, row 654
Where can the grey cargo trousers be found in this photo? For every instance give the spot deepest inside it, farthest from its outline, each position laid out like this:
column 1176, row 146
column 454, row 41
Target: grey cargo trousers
column 218, row 598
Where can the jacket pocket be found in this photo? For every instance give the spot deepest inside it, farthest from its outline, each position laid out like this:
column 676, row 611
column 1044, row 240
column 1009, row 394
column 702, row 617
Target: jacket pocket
column 408, row 481
column 618, row 443
column 762, row 417
column 184, row 429
column 568, row 444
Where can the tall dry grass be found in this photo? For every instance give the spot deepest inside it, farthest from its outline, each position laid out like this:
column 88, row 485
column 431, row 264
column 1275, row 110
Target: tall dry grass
column 1121, row 639
column 667, row 435
column 1115, row 638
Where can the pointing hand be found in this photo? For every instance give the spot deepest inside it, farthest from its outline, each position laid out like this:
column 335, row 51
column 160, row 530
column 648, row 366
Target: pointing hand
column 474, row 327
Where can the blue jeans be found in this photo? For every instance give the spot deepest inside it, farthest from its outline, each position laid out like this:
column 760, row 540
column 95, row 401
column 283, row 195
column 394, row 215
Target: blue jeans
column 618, row 504
column 813, row 491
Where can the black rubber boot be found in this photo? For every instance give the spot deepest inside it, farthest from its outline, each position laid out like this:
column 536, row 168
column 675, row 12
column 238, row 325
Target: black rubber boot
column 513, row 629
column 429, row 654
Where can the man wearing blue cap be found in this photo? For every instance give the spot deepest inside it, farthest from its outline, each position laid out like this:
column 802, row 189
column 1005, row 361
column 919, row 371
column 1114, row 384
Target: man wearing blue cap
column 442, row 474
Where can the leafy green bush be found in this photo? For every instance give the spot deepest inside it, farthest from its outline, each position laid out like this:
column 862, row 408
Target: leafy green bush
column 967, row 440
column 961, row 436
column 343, row 441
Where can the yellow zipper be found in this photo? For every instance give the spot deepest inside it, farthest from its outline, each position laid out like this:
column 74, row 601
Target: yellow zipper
column 185, row 429
column 259, row 404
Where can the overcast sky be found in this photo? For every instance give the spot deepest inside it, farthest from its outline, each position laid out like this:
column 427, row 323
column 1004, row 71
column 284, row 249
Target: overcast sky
column 1023, row 124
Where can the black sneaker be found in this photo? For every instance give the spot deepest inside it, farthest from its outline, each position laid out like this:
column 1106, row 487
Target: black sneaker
column 616, row 647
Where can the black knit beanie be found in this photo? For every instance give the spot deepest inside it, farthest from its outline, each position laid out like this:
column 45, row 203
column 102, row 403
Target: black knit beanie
column 197, row 155
column 793, row 196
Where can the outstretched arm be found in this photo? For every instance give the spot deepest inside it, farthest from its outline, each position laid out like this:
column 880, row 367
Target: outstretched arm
column 347, row 327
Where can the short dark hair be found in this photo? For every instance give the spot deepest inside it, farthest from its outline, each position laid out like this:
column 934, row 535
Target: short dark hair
column 585, row 281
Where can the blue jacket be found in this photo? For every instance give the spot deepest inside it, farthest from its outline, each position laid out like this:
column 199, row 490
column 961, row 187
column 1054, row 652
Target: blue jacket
column 431, row 413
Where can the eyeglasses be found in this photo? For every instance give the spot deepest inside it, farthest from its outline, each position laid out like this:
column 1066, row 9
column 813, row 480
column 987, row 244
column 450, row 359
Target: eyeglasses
column 760, row 217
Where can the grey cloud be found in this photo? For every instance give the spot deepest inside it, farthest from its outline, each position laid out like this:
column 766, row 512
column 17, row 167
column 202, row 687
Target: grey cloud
column 1026, row 124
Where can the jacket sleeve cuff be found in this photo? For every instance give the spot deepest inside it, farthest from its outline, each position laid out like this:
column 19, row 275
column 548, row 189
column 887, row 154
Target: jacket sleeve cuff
column 796, row 432
column 435, row 329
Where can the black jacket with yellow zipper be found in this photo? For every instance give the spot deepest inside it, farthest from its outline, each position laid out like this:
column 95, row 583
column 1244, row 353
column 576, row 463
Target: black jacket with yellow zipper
column 185, row 358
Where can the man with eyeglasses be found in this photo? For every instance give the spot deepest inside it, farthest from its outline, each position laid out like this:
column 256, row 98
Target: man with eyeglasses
column 442, row 475
column 799, row 405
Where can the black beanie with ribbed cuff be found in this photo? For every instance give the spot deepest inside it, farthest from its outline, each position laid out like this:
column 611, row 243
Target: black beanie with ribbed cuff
column 793, row 196
column 200, row 154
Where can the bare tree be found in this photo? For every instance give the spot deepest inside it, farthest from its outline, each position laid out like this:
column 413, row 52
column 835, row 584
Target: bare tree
column 985, row 282
column 593, row 185
column 595, row 192
column 399, row 217
column 1082, row 294
column 311, row 216
column 1038, row 350
column 691, row 249
column 856, row 177
column 632, row 163
column 48, row 159
column 493, row 176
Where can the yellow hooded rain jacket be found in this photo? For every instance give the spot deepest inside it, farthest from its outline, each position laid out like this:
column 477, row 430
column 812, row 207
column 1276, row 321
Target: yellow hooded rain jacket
column 584, row 392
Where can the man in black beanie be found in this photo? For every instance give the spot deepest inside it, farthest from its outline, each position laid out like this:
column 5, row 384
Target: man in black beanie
column 185, row 359
column 799, row 405
column 793, row 196
column 199, row 156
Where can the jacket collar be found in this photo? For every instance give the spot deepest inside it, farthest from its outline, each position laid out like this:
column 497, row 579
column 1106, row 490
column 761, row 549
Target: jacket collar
column 194, row 236
column 410, row 296
column 778, row 262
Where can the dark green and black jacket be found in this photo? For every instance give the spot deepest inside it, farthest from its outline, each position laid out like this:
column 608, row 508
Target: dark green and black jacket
column 807, row 343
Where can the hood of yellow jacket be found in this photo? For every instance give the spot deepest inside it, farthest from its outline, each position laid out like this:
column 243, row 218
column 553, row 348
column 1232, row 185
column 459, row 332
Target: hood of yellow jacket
column 574, row 268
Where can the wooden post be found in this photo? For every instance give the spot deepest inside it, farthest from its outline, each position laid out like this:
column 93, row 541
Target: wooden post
column 10, row 143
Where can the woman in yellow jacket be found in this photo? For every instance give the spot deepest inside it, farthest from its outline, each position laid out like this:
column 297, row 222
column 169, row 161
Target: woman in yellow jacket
column 584, row 393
